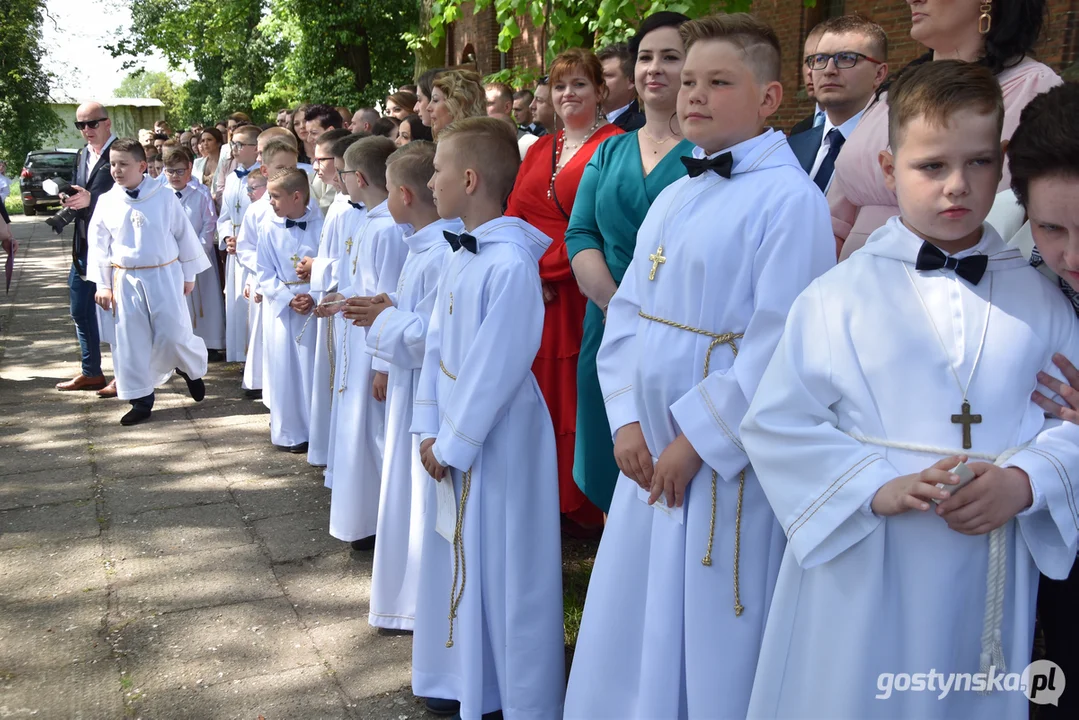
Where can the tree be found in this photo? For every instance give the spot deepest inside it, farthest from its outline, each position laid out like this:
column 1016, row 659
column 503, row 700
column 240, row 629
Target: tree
column 157, row 85
column 26, row 118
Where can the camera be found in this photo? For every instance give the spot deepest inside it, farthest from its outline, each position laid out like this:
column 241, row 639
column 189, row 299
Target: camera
column 62, row 188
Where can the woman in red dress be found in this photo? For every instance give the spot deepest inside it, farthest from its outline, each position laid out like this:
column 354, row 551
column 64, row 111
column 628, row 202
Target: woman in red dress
column 543, row 197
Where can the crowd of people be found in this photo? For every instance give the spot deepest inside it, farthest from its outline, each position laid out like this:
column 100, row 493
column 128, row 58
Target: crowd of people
column 610, row 304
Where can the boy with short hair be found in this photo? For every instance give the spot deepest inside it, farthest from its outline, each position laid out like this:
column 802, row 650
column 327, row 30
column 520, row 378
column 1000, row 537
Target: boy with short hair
column 398, row 330
column 902, row 373
column 234, row 204
column 144, row 256
column 488, row 441
column 684, row 574
column 284, row 237
column 206, row 302
column 370, row 265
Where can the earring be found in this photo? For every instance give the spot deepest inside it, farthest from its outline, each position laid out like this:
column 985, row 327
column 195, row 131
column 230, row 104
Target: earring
column 985, row 21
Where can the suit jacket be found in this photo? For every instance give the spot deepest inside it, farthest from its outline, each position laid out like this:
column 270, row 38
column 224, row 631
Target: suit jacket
column 804, row 124
column 632, row 119
column 99, row 182
column 806, row 145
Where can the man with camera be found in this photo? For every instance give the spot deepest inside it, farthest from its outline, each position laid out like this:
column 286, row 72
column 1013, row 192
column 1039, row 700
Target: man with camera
column 92, row 179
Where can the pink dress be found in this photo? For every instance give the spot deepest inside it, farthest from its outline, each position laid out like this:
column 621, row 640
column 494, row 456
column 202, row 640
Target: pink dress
column 859, row 200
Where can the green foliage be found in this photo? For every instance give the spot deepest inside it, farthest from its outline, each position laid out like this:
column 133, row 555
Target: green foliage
column 13, row 202
column 26, row 120
column 157, row 85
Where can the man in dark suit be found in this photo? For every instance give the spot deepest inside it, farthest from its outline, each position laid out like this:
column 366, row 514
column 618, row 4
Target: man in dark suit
column 621, row 106
column 848, row 67
column 92, row 179
column 816, row 118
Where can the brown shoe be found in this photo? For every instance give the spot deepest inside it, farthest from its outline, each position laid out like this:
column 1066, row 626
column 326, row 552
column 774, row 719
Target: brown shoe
column 109, row 391
column 82, row 382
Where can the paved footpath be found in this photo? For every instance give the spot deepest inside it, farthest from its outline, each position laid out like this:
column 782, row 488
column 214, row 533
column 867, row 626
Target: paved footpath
column 177, row 569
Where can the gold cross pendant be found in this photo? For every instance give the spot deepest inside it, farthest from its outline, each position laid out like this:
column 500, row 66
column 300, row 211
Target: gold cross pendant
column 657, row 260
column 966, row 420
column 348, row 246
column 295, row 260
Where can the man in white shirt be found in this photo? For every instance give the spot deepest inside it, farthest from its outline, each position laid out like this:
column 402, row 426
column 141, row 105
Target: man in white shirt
column 847, row 68
column 621, row 105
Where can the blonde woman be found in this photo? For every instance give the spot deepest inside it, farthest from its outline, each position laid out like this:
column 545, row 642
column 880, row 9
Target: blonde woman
column 455, row 94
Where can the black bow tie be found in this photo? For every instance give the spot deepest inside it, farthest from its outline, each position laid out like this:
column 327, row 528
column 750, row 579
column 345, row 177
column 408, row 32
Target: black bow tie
column 133, row 194
column 358, row 206
column 302, row 224
column 242, row 173
column 179, row 195
column 970, row 268
column 464, row 240
column 720, row 164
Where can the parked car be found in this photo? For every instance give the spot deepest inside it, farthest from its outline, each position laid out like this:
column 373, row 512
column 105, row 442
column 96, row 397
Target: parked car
column 42, row 165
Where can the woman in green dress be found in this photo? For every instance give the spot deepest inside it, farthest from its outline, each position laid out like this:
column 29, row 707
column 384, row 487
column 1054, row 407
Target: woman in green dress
column 618, row 186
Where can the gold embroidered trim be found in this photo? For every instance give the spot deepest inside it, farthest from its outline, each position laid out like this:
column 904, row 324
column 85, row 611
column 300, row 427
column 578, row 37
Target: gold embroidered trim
column 820, row 501
column 1062, row 473
column 616, row 393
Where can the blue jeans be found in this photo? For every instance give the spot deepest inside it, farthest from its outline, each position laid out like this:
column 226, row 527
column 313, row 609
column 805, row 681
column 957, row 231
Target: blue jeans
column 84, row 313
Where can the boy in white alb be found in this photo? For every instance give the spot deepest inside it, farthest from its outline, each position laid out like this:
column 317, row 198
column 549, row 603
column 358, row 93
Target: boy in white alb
column 234, row 204
column 370, row 266
column 288, row 234
column 398, row 330
column 904, row 369
column 206, row 302
column 492, row 528
column 684, row 574
column 144, row 256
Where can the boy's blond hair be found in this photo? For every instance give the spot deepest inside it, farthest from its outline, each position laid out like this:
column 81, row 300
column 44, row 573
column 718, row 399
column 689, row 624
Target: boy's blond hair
column 485, row 145
column 275, row 147
column 412, row 166
column 755, row 38
column 250, row 132
column 369, row 156
column 292, row 180
column 277, row 132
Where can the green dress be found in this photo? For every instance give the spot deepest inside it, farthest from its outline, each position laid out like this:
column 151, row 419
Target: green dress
column 612, row 200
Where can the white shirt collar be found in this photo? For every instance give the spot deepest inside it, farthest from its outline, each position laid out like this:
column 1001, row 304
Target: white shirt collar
column 845, row 129
column 614, row 114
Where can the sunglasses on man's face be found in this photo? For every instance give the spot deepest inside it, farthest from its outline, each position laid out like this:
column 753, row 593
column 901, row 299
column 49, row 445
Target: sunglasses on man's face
column 92, row 124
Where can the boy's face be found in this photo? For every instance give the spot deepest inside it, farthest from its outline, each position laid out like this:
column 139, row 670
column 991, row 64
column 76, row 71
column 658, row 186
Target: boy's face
column 721, row 102
column 448, row 181
column 154, row 167
column 284, row 203
column 399, row 199
column 323, row 163
column 946, row 176
column 178, row 175
column 125, row 169
column 245, row 149
column 256, row 188
column 1053, row 208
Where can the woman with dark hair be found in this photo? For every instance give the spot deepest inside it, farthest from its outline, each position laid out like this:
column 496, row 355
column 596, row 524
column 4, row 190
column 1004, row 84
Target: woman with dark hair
column 424, row 87
column 412, row 128
column 400, row 105
column 617, row 188
column 544, row 197
column 210, row 143
column 304, row 142
column 1000, row 34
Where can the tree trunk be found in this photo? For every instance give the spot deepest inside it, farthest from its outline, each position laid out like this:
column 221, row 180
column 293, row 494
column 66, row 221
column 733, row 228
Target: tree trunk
column 428, row 56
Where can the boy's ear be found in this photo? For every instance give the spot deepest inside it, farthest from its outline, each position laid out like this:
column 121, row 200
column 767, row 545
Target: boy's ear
column 887, row 167
column 362, row 180
column 265, row 171
column 407, row 196
column 771, row 99
column 472, row 181
column 145, row 166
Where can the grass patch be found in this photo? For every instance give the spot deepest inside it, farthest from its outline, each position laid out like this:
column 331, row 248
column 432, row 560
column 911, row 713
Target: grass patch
column 578, row 556
column 13, row 203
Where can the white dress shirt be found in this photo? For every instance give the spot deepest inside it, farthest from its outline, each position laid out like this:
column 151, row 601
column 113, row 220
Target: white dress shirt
column 825, row 145
column 614, row 114
column 92, row 156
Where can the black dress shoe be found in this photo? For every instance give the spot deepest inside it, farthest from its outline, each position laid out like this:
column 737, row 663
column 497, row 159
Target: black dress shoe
column 368, row 543
column 196, row 387
column 294, row 449
column 135, row 416
column 253, row 394
column 215, row 356
column 443, row 708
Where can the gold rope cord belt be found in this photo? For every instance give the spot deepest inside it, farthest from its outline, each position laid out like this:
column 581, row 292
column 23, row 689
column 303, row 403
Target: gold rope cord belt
column 330, row 347
column 146, row 267
column 717, row 340
column 456, row 593
column 296, row 282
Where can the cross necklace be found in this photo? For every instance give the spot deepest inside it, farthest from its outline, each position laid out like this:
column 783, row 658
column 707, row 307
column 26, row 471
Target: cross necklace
column 964, row 417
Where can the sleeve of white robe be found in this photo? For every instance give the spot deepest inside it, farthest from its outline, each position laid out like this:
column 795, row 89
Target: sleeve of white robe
column 192, row 256
column 616, row 359
column 324, row 265
column 817, row 478
column 277, row 293
column 390, row 254
column 247, row 240
column 98, row 258
column 397, row 336
column 425, row 405
column 209, row 217
column 797, row 247
column 498, row 362
column 224, row 220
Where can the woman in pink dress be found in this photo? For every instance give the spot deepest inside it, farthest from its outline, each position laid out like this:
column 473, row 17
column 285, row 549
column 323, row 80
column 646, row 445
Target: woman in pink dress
column 951, row 29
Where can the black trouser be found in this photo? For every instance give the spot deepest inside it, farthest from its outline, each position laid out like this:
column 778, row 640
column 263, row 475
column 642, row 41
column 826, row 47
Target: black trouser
column 1058, row 606
column 146, row 402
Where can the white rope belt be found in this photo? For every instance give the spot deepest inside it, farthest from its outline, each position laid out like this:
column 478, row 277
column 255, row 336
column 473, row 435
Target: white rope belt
column 992, row 654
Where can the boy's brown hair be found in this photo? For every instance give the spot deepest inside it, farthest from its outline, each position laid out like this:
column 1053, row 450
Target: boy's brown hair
column 485, row 145
column 369, row 156
column 755, row 38
column 131, row 146
column 1045, row 143
column 937, row 91
column 276, row 132
column 292, row 180
column 275, row 147
column 150, row 151
column 179, row 155
column 248, row 133
column 412, row 166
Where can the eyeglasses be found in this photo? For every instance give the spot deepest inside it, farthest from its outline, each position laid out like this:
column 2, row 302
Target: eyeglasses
column 341, row 174
column 252, row 189
column 843, row 60
column 175, row 172
column 236, row 145
column 317, row 162
column 92, row 124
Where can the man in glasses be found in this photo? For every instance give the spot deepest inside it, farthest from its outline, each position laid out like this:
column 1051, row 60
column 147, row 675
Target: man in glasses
column 847, row 68
column 92, row 179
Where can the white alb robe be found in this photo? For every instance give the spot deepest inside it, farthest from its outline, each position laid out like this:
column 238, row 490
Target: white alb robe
column 477, row 396
column 660, row 637
column 323, row 273
column 145, row 250
column 858, row 594
column 206, row 303
column 234, row 204
column 398, row 336
column 371, row 266
column 289, row 338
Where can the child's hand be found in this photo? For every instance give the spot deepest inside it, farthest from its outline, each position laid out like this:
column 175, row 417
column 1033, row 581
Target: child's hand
column 247, row 292
column 303, row 270
column 1069, row 412
column 258, row 298
column 378, row 386
column 103, row 297
column 362, row 311
column 632, row 455
column 427, row 457
column 323, row 310
column 188, row 287
column 549, row 293
column 912, row 492
column 302, row 303
column 992, row 498
column 230, row 247
column 677, row 465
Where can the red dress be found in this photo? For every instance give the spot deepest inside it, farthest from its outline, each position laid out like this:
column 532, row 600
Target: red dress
column 555, row 367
